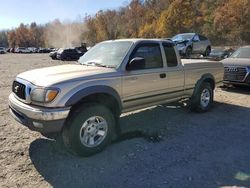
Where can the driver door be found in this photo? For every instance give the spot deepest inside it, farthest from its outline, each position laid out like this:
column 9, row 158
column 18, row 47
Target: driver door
column 146, row 85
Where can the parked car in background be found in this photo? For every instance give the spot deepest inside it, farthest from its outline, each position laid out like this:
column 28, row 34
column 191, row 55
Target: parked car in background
column 68, row 54
column 220, row 53
column 22, row 50
column 53, row 54
column 45, row 50
column 32, row 49
column 82, row 49
column 12, row 50
column 2, row 50
column 192, row 43
column 237, row 67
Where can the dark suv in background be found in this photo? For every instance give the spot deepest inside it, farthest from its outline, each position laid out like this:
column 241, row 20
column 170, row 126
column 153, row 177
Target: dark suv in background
column 237, row 67
column 68, row 54
column 192, row 43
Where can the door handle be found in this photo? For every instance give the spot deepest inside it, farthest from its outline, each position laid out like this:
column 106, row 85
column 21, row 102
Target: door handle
column 131, row 78
column 163, row 75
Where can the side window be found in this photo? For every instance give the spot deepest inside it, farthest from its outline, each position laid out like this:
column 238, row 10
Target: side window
column 196, row 38
column 203, row 38
column 170, row 55
column 152, row 55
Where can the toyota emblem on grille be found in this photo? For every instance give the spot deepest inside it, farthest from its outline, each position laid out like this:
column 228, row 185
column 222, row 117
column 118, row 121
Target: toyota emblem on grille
column 232, row 69
column 16, row 89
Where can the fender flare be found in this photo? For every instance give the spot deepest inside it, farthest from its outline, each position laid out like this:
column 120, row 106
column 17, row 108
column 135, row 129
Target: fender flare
column 202, row 80
column 99, row 89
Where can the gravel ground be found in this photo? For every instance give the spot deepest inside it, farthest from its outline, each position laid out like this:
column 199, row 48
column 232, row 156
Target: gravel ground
column 163, row 146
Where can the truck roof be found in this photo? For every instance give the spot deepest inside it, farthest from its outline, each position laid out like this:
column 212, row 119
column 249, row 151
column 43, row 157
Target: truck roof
column 134, row 40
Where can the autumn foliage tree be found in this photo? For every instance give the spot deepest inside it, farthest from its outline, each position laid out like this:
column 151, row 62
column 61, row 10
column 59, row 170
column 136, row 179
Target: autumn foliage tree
column 232, row 20
column 225, row 22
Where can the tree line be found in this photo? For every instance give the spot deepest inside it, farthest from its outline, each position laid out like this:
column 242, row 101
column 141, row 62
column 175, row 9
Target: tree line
column 225, row 22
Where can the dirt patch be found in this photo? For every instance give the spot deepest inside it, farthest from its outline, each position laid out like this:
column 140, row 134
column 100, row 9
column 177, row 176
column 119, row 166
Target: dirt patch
column 162, row 146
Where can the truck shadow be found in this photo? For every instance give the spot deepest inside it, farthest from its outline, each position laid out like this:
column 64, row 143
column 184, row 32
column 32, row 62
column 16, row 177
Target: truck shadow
column 238, row 89
column 158, row 146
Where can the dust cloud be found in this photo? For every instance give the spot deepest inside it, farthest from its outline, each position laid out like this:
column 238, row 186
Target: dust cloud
column 65, row 35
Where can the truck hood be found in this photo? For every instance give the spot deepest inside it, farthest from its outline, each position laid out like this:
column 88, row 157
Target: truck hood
column 57, row 74
column 236, row 62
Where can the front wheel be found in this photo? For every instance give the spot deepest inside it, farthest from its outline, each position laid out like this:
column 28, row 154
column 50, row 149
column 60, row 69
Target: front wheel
column 203, row 98
column 89, row 130
column 188, row 52
column 207, row 52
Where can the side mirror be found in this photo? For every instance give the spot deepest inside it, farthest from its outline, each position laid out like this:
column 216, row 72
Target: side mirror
column 136, row 64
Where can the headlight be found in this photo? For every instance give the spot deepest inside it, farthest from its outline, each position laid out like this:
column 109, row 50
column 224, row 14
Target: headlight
column 44, row 94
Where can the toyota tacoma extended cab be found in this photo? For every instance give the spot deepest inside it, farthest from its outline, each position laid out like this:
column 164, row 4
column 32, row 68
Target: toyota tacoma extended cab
column 83, row 102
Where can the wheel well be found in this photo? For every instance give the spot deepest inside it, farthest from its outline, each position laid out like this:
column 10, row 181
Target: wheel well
column 101, row 98
column 204, row 80
column 210, row 81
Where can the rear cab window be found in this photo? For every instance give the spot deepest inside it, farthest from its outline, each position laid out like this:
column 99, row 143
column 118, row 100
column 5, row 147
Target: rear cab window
column 170, row 54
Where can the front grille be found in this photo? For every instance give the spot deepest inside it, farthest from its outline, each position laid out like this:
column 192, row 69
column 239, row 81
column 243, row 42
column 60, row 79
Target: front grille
column 235, row 73
column 19, row 89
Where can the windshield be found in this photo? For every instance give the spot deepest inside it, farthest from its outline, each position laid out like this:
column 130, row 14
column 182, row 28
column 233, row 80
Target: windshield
column 241, row 53
column 106, row 54
column 182, row 37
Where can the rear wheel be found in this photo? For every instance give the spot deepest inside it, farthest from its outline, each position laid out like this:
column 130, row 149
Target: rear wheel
column 207, row 51
column 89, row 130
column 203, row 98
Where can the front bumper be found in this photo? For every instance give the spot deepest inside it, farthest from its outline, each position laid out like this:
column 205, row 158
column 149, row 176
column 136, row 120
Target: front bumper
column 41, row 119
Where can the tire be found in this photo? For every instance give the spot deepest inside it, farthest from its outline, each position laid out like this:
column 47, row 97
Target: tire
column 207, row 52
column 89, row 129
column 203, row 98
column 188, row 52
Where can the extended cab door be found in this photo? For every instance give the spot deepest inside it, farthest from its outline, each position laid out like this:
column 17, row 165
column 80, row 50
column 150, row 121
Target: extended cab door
column 174, row 73
column 148, row 84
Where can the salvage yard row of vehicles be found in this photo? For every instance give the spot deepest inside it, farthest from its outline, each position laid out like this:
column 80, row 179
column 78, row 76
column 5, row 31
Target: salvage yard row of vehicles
column 26, row 50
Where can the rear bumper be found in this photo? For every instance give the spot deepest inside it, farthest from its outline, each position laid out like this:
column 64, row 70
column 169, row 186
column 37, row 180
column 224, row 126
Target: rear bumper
column 44, row 120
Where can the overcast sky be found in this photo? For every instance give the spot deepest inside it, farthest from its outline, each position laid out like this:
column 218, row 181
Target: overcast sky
column 14, row 12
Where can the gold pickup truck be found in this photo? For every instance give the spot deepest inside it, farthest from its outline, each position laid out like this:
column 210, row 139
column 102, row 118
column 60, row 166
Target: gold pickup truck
column 83, row 102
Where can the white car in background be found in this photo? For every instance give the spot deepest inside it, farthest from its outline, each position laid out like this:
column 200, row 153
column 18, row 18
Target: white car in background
column 2, row 50
column 32, row 49
column 192, row 43
column 22, row 50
